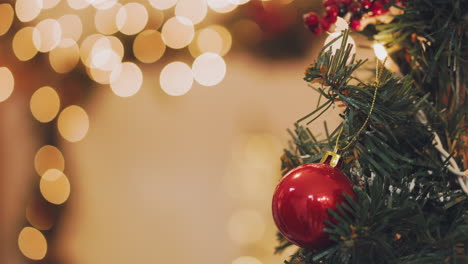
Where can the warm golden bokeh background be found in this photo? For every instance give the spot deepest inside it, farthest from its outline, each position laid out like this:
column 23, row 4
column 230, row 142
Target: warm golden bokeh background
column 133, row 136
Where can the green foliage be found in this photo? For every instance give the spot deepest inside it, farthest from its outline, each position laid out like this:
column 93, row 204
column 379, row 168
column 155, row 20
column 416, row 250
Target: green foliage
column 409, row 208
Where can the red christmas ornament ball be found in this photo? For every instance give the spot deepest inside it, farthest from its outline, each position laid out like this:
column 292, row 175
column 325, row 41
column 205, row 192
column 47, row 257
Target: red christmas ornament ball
column 301, row 201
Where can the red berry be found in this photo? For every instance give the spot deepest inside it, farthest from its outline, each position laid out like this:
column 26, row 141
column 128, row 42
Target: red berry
column 378, row 8
column 317, row 30
column 311, row 19
column 332, row 11
column 329, row 3
column 325, row 24
column 331, row 19
column 366, row 4
column 355, row 7
column 355, row 24
column 346, row 2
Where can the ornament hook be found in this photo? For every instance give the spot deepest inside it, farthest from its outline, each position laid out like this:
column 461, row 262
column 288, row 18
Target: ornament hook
column 331, row 158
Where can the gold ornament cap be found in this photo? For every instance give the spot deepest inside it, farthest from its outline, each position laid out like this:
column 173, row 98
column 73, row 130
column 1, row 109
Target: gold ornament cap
column 331, row 158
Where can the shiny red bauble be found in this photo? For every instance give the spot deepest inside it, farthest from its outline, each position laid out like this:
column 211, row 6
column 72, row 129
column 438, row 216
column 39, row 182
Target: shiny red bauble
column 301, row 201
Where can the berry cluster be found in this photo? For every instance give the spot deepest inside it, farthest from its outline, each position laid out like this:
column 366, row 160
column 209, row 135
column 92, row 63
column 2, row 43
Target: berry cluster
column 356, row 8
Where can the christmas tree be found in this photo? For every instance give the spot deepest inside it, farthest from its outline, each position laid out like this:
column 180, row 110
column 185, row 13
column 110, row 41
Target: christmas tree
column 402, row 141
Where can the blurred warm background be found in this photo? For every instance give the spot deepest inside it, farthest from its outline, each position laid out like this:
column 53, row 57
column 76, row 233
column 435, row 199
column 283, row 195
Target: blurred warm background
column 147, row 131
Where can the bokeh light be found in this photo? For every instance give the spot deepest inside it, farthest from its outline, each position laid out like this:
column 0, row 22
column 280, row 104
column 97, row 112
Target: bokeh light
column 209, row 69
column 195, row 10
column 380, row 51
column 54, row 186
column 132, row 18
column 155, row 18
column 7, row 18
column 23, row 45
column 126, row 79
column 78, row 4
column 107, row 53
column 149, row 46
column 105, row 20
column 48, row 4
column 98, row 75
column 87, row 46
column 162, row 4
column 246, row 260
column 7, row 83
column 45, row 104
column 222, row 6
column 47, row 35
column 65, row 57
column 27, row 10
column 32, row 243
column 178, row 32
column 176, row 78
column 48, row 157
column 103, row 4
column 73, row 123
column 214, row 38
column 71, row 26
column 246, row 227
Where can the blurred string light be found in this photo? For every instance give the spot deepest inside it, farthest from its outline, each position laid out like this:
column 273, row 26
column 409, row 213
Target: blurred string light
column 45, row 104
column 178, row 32
column 214, row 38
column 222, row 6
column 32, row 243
column 126, row 79
column 54, row 186
column 149, row 46
column 209, row 69
column 163, row 4
column 48, row 4
column 103, row 4
column 101, row 53
column 23, row 45
column 106, row 54
column 155, row 18
column 71, row 26
column 105, row 20
column 7, row 18
column 176, row 78
column 48, row 157
column 86, row 47
column 380, row 51
column 28, row 10
column 47, row 35
column 65, row 57
column 73, row 123
column 7, row 83
column 194, row 10
column 78, row 4
column 131, row 18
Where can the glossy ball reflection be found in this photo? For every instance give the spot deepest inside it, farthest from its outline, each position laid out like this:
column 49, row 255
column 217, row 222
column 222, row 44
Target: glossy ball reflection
column 301, row 201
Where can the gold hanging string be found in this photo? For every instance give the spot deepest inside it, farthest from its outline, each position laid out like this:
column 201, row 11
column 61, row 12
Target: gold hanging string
column 378, row 75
